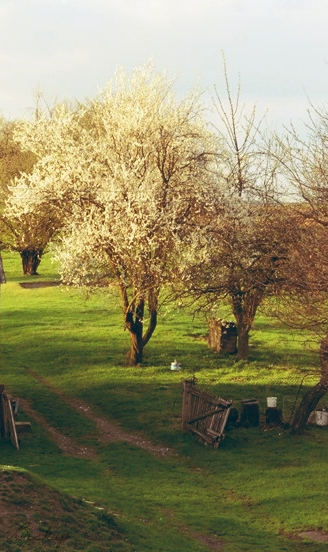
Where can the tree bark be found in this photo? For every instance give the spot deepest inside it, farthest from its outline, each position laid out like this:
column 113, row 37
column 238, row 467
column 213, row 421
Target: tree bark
column 31, row 258
column 134, row 323
column 244, row 321
column 134, row 320
column 136, row 347
column 245, row 304
column 313, row 396
column 138, row 340
column 243, row 342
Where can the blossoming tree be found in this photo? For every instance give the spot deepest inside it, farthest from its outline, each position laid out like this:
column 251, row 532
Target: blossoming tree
column 130, row 174
column 28, row 234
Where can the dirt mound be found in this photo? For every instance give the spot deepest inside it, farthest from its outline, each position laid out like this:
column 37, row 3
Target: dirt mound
column 36, row 517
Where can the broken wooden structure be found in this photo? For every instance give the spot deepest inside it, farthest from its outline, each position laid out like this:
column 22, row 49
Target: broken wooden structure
column 9, row 428
column 203, row 414
column 222, row 336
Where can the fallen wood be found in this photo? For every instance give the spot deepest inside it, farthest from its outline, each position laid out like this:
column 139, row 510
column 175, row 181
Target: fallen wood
column 23, row 427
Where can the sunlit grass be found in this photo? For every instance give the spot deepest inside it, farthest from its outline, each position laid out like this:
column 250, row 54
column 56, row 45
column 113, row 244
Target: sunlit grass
column 259, row 488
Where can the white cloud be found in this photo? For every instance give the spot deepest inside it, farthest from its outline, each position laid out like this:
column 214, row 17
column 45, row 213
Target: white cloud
column 71, row 47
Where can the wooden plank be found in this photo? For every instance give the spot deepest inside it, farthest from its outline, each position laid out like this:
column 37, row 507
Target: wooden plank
column 206, row 415
column 22, row 427
column 2, row 426
column 200, row 434
column 6, row 426
column 203, row 395
column 213, row 433
column 10, row 421
column 186, row 402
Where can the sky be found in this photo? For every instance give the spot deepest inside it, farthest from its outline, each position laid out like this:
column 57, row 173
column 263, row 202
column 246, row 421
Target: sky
column 69, row 49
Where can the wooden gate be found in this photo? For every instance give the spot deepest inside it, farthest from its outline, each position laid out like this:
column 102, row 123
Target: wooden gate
column 203, row 414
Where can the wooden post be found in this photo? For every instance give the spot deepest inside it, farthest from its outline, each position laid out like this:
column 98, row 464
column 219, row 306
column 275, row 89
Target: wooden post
column 2, row 273
column 2, row 424
column 186, row 402
column 8, row 420
column 250, row 415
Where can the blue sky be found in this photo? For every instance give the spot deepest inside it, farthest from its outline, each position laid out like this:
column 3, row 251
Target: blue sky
column 70, row 48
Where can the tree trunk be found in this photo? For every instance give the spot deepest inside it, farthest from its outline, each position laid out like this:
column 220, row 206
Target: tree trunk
column 134, row 323
column 244, row 309
column 134, row 320
column 138, row 340
column 313, row 396
column 31, row 258
column 136, row 347
column 243, row 342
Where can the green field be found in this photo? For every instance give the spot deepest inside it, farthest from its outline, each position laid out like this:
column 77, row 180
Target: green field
column 257, row 492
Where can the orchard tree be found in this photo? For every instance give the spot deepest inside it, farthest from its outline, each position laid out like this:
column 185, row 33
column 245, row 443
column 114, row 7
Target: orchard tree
column 129, row 172
column 28, row 233
column 242, row 253
column 304, row 163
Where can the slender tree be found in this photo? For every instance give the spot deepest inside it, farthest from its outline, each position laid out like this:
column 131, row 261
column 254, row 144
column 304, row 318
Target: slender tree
column 245, row 244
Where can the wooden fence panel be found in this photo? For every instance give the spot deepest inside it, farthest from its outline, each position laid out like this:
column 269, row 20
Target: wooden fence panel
column 204, row 415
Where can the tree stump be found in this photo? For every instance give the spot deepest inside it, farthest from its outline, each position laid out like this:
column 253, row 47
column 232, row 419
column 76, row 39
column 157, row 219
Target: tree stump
column 273, row 417
column 250, row 416
column 222, row 336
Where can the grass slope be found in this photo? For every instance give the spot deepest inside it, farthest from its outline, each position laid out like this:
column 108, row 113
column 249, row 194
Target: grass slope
column 257, row 492
column 37, row 517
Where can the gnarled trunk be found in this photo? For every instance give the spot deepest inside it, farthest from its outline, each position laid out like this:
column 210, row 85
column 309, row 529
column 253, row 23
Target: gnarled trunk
column 31, row 258
column 134, row 316
column 245, row 304
column 243, row 342
column 313, row 396
column 136, row 348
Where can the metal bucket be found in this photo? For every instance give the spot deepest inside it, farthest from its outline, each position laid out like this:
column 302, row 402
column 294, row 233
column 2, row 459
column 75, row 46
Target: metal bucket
column 272, row 402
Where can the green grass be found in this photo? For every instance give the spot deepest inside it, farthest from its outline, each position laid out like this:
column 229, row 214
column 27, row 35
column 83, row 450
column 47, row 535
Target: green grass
column 255, row 493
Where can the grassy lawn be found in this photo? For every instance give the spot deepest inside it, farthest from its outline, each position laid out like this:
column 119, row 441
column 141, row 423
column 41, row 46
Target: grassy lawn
column 257, row 492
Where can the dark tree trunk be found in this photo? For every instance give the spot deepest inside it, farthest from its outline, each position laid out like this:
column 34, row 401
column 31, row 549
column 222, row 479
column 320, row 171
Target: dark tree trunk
column 243, row 323
column 134, row 321
column 138, row 340
column 31, row 258
column 245, row 304
column 243, row 342
column 136, row 348
column 313, row 396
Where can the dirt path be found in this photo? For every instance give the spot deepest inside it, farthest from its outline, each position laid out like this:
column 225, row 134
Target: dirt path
column 108, row 429
column 65, row 443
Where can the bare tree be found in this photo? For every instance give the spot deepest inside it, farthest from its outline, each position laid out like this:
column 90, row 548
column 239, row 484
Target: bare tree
column 245, row 244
